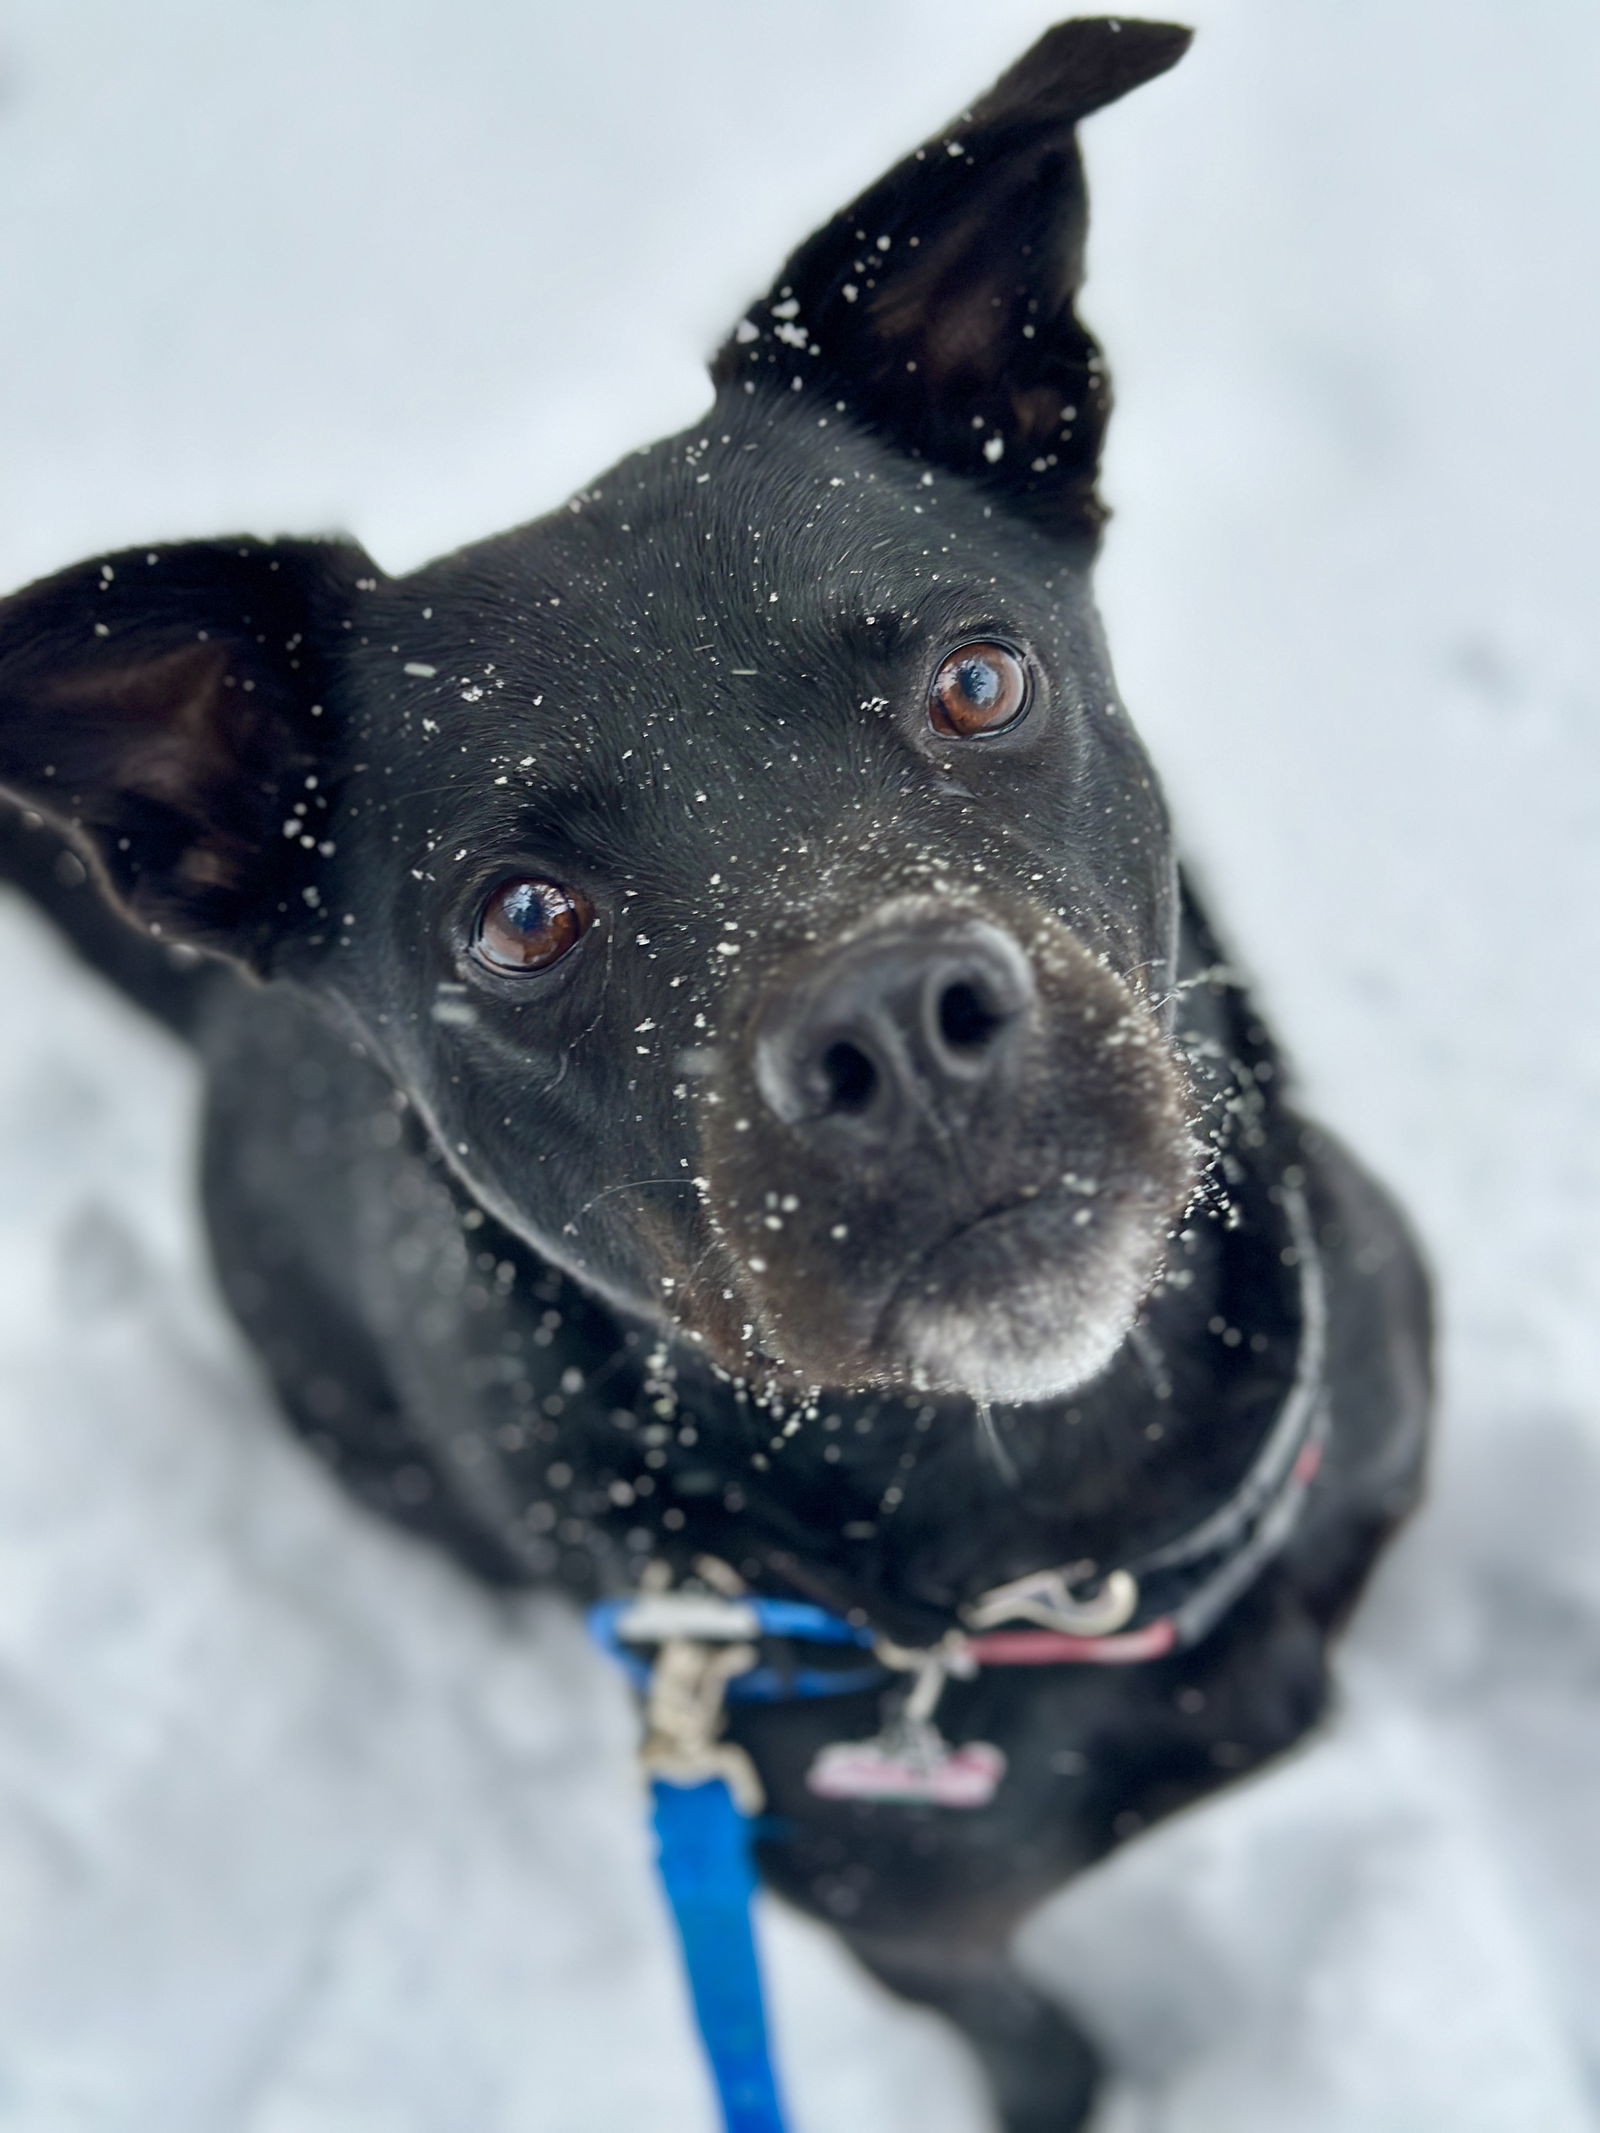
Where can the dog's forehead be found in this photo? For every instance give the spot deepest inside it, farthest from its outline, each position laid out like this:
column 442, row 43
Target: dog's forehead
column 731, row 552
column 691, row 661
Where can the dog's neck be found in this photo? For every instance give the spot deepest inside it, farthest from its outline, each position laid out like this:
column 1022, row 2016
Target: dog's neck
column 849, row 1499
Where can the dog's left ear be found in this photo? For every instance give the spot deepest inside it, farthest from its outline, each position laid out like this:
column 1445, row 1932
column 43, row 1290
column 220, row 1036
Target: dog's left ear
column 939, row 307
column 172, row 708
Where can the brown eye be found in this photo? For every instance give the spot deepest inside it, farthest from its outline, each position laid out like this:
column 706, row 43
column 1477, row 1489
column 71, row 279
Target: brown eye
column 528, row 925
column 982, row 688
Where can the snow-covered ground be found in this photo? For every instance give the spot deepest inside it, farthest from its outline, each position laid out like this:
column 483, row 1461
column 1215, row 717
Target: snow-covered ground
column 298, row 1834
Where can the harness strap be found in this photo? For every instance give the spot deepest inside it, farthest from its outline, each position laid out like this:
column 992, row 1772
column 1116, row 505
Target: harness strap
column 626, row 1629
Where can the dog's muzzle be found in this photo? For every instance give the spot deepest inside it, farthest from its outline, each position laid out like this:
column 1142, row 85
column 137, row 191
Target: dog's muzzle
column 944, row 1161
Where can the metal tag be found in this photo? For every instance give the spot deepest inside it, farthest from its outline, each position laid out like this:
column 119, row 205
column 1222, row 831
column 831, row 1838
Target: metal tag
column 910, row 1761
column 915, row 1766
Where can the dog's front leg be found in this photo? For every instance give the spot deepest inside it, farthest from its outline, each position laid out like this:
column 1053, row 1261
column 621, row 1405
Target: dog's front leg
column 1042, row 2071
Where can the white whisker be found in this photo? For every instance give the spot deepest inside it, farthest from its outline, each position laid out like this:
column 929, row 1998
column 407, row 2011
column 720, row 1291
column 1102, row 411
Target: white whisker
column 1004, row 1465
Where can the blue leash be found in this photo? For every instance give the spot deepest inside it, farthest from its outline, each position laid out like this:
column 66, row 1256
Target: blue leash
column 703, row 1835
column 703, row 1854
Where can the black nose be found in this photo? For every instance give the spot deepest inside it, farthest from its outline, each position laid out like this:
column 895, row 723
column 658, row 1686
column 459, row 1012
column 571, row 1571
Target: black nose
column 916, row 1024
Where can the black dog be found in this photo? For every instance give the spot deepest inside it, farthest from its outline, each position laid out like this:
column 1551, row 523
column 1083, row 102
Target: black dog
column 710, row 1057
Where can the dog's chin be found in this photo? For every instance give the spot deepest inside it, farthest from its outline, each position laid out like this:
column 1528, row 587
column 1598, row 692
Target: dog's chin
column 1004, row 1313
column 1025, row 1305
column 1008, row 1364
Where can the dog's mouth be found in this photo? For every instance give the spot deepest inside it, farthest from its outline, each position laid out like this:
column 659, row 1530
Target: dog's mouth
column 979, row 1205
column 1025, row 1302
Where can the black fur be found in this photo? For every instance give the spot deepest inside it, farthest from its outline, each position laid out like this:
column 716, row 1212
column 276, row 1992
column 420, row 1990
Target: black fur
column 593, row 1267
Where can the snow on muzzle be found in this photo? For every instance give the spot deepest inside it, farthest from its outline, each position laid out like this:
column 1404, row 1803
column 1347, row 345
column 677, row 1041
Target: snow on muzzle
column 945, row 1157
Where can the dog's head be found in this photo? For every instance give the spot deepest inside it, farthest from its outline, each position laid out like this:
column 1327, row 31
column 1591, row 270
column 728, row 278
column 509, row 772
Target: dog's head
column 748, row 871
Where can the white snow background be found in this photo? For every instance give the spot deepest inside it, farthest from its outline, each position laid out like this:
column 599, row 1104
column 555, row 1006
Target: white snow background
column 298, row 1832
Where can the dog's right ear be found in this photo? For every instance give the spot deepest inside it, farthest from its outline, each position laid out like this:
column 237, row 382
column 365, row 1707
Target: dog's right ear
column 939, row 307
column 172, row 708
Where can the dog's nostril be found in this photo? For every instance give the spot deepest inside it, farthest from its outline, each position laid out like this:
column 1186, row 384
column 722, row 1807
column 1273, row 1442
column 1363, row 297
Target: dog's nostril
column 852, row 1077
column 967, row 1021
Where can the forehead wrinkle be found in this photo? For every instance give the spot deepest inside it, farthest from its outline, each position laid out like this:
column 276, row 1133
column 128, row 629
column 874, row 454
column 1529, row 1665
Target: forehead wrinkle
column 780, row 504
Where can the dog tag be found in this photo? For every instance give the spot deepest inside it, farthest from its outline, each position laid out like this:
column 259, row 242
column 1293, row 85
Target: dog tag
column 910, row 1761
column 914, row 1766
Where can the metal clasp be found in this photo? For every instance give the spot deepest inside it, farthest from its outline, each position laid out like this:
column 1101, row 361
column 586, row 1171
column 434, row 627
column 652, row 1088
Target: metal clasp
column 1047, row 1598
column 684, row 1716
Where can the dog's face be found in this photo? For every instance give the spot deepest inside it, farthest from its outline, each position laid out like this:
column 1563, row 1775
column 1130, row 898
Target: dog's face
column 747, row 871
column 761, row 889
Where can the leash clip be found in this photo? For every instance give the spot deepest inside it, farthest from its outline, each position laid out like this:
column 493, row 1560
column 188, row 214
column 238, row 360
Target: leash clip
column 685, row 1711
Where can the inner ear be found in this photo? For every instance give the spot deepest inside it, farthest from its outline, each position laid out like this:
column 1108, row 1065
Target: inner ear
column 165, row 714
column 170, row 760
column 939, row 308
column 174, row 709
